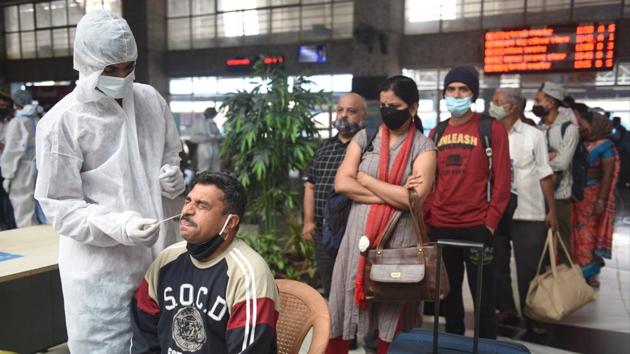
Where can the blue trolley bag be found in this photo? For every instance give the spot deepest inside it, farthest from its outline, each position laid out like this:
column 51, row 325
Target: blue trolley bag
column 424, row 341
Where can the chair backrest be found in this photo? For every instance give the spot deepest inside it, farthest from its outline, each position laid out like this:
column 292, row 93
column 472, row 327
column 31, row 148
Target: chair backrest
column 301, row 307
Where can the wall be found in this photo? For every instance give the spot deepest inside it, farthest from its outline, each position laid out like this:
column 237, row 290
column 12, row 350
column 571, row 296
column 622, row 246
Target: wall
column 211, row 62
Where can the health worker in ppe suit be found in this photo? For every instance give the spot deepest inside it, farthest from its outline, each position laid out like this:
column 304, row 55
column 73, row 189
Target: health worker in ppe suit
column 18, row 159
column 7, row 220
column 208, row 158
column 107, row 154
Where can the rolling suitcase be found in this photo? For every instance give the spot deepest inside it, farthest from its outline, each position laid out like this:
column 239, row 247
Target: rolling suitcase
column 423, row 341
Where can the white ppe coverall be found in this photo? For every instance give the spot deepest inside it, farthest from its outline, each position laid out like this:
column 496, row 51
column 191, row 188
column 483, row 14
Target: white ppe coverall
column 99, row 165
column 18, row 164
column 208, row 150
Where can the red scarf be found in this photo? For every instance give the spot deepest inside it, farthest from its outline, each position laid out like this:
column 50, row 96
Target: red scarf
column 381, row 214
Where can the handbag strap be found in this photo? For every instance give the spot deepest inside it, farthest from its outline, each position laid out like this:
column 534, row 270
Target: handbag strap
column 419, row 228
column 550, row 245
column 564, row 248
column 389, row 229
column 417, row 216
column 544, row 252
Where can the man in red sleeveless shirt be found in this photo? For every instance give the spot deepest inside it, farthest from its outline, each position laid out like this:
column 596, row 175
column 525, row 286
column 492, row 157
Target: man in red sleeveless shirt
column 463, row 204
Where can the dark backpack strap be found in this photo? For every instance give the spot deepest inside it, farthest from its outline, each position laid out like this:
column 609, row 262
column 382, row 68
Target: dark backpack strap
column 485, row 134
column 563, row 128
column 439, row 130
column 370, row 133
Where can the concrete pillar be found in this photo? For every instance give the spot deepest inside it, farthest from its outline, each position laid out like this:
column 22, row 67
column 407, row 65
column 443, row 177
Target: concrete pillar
column 147, row 19
column 378, row 30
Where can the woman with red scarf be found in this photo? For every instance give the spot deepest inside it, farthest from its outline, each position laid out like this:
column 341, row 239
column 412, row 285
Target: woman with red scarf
column 400, row 157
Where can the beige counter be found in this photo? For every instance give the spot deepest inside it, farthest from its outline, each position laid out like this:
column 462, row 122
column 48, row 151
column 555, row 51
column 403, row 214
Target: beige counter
column 38, row 246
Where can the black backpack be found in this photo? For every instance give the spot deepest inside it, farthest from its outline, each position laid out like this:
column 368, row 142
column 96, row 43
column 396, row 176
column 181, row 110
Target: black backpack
column 485, row 133
column 337, row 209
column 579, row 165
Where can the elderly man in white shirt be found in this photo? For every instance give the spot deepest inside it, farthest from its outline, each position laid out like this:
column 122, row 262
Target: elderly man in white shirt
column 533, row 185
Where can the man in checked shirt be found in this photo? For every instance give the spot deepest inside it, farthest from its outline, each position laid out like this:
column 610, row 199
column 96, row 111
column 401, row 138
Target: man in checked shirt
column 351, row 116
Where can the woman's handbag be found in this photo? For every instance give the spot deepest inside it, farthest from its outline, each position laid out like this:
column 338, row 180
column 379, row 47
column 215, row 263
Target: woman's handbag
column 559, row 291
column 404, row 274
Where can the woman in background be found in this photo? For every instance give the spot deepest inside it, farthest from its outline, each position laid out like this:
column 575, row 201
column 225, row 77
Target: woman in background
column 593, row 217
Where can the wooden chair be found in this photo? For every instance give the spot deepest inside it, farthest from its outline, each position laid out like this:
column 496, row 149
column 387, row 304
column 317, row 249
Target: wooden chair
column 301, row 308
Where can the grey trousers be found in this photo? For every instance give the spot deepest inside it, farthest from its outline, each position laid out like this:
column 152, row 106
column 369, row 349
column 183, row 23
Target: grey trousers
column 564, row 207
column 528, row 239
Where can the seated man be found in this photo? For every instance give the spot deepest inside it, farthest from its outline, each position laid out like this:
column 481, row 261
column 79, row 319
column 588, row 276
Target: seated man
column 211, row 293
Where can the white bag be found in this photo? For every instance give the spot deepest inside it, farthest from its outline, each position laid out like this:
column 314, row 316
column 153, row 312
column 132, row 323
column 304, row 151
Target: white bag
column 559, row 291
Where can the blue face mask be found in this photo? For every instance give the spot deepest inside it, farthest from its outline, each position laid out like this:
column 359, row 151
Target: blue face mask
column 458, row 106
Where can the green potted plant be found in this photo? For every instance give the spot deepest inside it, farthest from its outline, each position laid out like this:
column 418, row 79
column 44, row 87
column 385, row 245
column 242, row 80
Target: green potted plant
column 270, row 131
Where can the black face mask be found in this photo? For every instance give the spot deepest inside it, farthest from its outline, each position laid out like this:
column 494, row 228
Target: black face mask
column 394, row 118
column 540, row 111
column 203, row 250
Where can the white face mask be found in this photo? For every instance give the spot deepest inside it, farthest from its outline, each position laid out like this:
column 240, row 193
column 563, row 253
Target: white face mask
column 496, row 111
column 116, row 87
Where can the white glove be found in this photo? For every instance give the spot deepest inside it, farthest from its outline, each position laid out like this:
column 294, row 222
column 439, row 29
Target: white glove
column 142, row 231
column 171, row 181
column 6, row 185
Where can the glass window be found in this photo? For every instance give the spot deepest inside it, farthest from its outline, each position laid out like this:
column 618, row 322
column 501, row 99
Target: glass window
column 510, row 80
column 75, row 11
column 285, row 20
column 202, row 7
column 283, row 2
column 59, row 14
column 13, row 45
column 316, row 22
column 230, row 84
column 47, row 27
column 11, row 23
column 182, row 86
column 465, row 14
column 44, row 44
column 28, row 45
column 343, row 19
column 27, row 20
column 257, row 26
column 623, row 73
column 234, row 5
column 341, row 83
column 177, row 8
column 548, row 11
column 61, row 46
column 595, row 9
column 259, row 22
column 497, row 13
column 204, row 85
column 422, row 17
column 605, row 78
column 179, row 33
column 202, row 31
column 43, row 14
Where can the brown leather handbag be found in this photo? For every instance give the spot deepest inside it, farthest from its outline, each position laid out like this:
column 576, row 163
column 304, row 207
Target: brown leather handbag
column 404, row 274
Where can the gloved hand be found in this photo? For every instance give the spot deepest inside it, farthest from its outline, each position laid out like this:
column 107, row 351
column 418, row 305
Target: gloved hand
column 142, row 231
column 171, row 181
column 6, row 185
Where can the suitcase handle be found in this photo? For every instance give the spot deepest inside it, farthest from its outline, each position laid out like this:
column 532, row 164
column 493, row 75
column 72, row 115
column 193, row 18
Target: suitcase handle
column 460, row 244
column 436, row 317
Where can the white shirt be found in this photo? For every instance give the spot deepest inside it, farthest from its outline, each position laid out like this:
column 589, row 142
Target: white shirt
column 564, row 146
column 530, row 164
